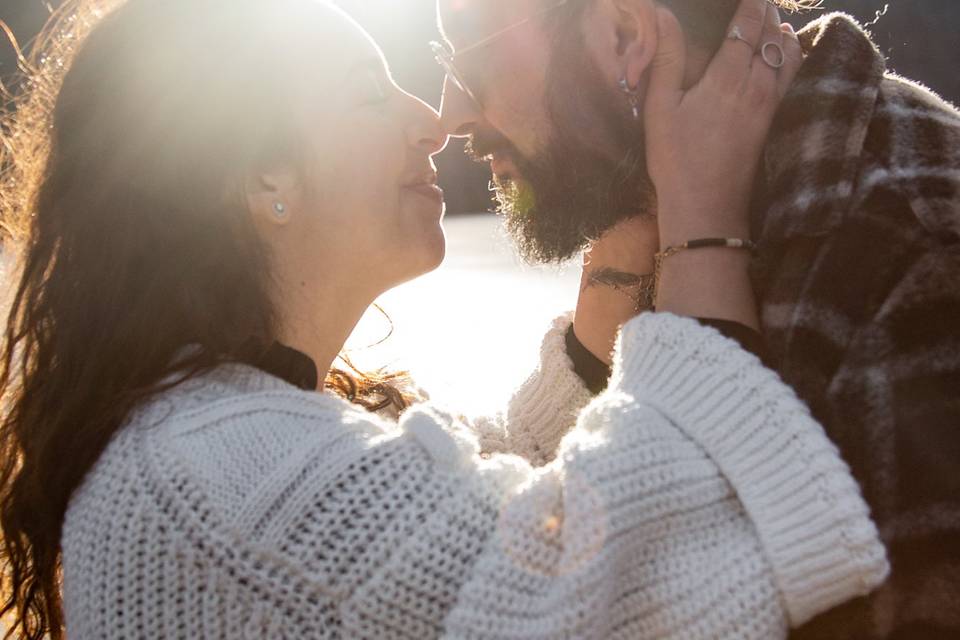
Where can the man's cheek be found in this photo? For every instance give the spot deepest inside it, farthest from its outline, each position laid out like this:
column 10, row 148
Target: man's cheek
column 523, row 120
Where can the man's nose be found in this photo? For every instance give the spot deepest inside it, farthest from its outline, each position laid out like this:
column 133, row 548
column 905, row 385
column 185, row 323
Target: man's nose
column 458, row 113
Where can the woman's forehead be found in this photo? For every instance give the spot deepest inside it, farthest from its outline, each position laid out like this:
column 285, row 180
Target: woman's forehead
column 336, row 44
column 463, row 22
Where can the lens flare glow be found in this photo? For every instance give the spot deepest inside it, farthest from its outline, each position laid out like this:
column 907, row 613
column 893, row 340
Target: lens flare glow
column 469, row 332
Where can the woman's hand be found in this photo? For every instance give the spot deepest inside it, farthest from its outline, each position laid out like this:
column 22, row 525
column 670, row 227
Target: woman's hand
column 704, row 145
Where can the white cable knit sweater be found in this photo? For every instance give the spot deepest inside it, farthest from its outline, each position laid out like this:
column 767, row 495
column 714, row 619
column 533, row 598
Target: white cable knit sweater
column 696, row 498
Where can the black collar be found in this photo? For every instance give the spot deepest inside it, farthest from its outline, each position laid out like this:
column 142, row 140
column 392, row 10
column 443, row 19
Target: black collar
column 290, row 365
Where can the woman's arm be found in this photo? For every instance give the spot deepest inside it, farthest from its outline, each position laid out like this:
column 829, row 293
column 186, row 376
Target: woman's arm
column 543, row 409
column 695, row 498
column 704, row 145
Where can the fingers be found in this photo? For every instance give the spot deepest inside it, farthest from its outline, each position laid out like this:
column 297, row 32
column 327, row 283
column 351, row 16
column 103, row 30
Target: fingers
column 665, row 90
column 744, row 33
column 771, row 27
column 793, row 54
column 731, row 65
column 768, row 54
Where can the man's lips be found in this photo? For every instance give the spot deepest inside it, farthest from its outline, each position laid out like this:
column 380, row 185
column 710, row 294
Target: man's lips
column 503, row 167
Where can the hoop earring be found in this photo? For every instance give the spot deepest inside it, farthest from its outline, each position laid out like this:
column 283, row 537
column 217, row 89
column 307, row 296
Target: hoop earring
column 633, row 96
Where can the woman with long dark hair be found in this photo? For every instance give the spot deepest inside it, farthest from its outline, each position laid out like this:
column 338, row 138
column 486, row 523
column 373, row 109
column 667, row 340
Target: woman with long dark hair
column 209, row 196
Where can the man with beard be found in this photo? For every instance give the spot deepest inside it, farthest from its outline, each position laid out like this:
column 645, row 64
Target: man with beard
column 856, row 217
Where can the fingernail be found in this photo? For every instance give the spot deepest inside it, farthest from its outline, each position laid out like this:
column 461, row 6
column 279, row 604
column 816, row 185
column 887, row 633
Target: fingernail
column 787, row 27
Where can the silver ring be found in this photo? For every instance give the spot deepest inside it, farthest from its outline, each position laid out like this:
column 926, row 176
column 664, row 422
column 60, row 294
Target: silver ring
column 779, row 62
column 737, row 34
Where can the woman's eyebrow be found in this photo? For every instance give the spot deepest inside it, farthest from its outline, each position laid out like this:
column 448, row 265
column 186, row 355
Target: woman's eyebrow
column 464, row 25
column 374, row 65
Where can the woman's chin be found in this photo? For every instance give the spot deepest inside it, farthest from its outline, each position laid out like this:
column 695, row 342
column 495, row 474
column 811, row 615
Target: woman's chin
column 429, row 251
column 431, row 243
column 434, row 250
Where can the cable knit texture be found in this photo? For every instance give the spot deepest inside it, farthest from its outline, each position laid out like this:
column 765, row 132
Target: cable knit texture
column 696, row 498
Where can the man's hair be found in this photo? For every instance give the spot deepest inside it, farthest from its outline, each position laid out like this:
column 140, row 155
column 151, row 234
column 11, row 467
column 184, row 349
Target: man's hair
column 706, row 21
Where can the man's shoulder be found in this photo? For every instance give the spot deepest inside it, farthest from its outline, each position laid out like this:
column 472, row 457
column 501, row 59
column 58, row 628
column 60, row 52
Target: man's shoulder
column 913, row 150
column 903, row 100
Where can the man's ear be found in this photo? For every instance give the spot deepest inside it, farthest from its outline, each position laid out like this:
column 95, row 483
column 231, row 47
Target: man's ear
column 622, row 36
column 273, row 197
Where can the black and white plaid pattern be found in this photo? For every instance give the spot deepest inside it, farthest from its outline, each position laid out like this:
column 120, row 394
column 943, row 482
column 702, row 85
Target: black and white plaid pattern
column 859, row 275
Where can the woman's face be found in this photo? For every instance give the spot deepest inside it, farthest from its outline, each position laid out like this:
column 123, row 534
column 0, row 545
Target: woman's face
column 366, row 204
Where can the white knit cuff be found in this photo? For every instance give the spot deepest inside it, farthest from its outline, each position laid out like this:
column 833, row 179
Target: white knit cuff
column 810, row 516
column 546, row 406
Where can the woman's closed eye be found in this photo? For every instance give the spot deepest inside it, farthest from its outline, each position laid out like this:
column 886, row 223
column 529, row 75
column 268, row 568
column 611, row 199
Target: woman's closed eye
column 372, row 88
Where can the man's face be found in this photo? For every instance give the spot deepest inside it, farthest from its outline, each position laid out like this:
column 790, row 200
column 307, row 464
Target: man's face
column 566, row 153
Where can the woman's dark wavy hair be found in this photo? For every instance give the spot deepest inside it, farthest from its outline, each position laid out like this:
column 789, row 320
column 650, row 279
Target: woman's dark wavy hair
column 121, row 167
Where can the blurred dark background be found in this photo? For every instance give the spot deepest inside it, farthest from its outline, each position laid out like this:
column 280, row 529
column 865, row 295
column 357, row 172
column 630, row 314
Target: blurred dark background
column 921, row 39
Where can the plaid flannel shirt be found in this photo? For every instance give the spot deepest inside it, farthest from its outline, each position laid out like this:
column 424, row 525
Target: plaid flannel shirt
column 858, row 271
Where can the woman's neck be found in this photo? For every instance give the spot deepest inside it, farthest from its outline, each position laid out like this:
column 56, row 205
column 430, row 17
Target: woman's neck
column 320, row 323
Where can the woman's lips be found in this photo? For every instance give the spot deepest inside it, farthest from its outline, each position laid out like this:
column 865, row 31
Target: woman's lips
column 430, row 191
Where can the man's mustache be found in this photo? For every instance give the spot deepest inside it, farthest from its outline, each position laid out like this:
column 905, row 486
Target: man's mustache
column 484, row 143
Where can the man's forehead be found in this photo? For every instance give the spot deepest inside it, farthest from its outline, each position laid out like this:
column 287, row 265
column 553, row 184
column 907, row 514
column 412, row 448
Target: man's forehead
column 464, row 21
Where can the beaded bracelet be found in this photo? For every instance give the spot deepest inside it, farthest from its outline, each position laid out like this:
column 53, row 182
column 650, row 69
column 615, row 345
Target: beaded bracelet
column 702, row 243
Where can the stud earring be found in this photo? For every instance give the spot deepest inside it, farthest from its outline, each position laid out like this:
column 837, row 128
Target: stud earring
column 633, row 96
column 280, row 209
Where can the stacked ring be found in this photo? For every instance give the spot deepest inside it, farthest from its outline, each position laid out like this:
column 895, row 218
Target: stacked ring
column 776, row 62
column 771, row 52
column 737, row 34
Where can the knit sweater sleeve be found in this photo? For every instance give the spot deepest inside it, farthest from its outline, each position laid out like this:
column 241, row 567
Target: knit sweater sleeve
column 696, row 498
column 543, row 409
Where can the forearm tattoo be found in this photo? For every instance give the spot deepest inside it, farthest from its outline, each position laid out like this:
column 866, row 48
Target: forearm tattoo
column 641, row 288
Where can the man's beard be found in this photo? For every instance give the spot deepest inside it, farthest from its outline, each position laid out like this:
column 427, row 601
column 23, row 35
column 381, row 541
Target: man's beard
column 592, row 173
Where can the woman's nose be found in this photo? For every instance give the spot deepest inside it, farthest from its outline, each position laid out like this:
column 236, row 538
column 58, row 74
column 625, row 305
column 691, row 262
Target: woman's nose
column 426, row 132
